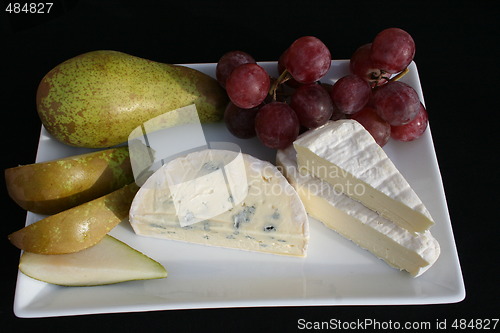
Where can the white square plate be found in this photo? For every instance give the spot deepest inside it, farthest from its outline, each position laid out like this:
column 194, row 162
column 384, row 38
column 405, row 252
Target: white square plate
column 335, row 272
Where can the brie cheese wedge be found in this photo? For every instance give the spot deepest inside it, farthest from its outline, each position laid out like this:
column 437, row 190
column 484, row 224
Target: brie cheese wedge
column 222, row 198
column 344, row 154
column 401, row 249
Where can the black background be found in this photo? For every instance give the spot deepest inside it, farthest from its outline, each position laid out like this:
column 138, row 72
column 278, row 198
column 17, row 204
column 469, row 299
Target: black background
column 457, row 57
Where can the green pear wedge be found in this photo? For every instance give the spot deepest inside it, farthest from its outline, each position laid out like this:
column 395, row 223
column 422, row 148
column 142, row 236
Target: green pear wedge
column 77, row 228
column 97, row 98
column 109, row 261
column 54, row 186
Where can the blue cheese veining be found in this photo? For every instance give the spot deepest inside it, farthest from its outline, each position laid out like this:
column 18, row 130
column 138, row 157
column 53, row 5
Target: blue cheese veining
column 222, row 198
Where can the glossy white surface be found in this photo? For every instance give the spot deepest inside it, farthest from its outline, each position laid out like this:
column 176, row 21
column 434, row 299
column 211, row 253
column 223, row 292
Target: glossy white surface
column 335, row 272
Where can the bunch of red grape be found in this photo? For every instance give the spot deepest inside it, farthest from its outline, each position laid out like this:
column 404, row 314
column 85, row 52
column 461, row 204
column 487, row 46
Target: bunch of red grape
column 371, row 94
column 256, row 110
column 392, row 108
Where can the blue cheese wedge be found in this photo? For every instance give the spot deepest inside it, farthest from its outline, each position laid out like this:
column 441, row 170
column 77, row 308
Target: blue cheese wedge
column 401, row 249
column 344, row 154
column 222, row 198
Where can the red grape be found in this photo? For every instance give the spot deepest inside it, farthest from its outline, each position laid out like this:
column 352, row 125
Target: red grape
column 248, row 85
column 376, row 126
column 392, row 50
column 277, row 125
column 362, row 65
column 336, row 115
column 230, row 61
column 240, row 122
column 396, row 102
column 313, row 105
column 414, row 129
column 307, row 59
column 281, row 68
column 350, row 94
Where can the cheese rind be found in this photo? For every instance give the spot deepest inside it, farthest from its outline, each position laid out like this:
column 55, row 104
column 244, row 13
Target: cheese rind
column 253, row 209
column 397, row 246
column 344, row 154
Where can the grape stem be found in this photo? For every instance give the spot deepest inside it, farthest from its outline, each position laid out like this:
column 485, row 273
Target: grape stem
column 400, row 75
column 284, row 76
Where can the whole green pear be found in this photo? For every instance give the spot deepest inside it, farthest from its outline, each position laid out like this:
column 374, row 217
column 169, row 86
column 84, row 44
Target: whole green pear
column 96, row 99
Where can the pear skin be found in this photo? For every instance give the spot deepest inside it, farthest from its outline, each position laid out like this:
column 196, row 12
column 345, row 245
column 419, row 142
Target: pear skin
column 109, row 261
column 77, row 228
column 54, row 186
column 97, row 98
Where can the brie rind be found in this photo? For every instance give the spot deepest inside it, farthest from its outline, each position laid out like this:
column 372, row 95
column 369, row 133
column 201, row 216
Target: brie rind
column 397, row 246
column 345, row 154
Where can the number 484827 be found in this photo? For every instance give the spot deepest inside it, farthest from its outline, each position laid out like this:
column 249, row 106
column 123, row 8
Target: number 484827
column 480, row 324
column 29, row 7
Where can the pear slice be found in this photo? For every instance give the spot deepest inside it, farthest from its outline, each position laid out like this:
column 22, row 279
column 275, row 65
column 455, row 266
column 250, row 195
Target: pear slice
column 109, row 261
column 77, row 228
column 54, row 186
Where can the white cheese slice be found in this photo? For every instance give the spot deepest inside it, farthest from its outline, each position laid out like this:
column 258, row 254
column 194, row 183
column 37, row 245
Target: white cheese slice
column 397, row 246
column 344, row 154
column 222, row 198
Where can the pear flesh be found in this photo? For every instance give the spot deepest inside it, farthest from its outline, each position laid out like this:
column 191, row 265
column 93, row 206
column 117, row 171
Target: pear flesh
column 54, row 186
column 98, row 98
column 109, row 261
